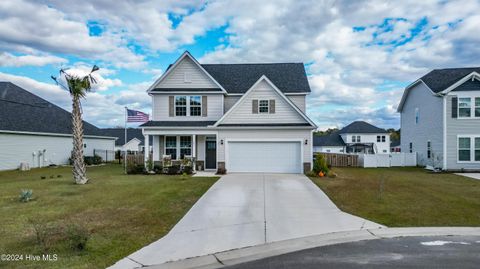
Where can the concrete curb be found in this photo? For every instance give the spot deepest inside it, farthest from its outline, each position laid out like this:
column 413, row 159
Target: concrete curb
column 236, row 256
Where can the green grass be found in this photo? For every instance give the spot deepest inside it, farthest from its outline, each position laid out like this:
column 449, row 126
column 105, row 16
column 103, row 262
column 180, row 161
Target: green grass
column 410, row 196
column 122, row 213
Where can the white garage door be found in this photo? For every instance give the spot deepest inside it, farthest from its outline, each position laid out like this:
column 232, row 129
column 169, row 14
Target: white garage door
column 272, row 157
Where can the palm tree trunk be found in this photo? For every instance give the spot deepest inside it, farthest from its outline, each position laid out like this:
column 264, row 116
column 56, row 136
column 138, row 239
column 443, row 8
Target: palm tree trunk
column 79, row 171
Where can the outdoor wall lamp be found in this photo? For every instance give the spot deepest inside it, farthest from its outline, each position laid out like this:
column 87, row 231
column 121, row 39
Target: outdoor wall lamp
column 306, row 141
column 221, row 141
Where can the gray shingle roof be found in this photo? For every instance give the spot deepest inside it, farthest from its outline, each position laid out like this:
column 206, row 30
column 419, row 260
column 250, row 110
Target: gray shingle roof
column 361, row 127
column 21, row 110
column 177, row 123
column 332, row 139
column 187, row 89
column 238, row 78
column 440, row 79
column 120, row 133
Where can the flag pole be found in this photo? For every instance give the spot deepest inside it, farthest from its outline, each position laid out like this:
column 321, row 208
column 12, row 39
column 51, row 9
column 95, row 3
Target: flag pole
column 124, row 149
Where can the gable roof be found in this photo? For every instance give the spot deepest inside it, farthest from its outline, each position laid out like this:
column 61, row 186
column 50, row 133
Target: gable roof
column 186, row 54
column 440, row 79
column 282, row 95
column 333, row 140
column 290, row 78
column 238, row 78
column 120, row 134
column 361, row 127
column 23, row 111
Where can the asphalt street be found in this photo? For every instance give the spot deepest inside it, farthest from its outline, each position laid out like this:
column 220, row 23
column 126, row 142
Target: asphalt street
column 402, row 252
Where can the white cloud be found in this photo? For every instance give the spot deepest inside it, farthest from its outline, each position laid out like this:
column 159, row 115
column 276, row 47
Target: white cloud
column 7, row 59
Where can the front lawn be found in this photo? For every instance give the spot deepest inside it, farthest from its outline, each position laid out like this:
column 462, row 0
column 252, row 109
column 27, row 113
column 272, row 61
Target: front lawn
column 121, row 213
column 407, row 196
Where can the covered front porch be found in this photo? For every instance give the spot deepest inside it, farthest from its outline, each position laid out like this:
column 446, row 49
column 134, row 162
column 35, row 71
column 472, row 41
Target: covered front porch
column 201, row 147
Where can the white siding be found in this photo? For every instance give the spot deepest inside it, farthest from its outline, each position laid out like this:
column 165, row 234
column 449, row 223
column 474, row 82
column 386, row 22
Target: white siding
column 381, row 147
column 329, row 149
column 284, row 112
column 201, row 147
column 279, row 135
column 298, row 100
column 229, row 101
column 132, row 145
column 17, row 148
column 176, row 77
column 214, row 108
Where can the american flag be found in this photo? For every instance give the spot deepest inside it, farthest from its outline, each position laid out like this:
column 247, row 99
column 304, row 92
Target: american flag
column 136, row 116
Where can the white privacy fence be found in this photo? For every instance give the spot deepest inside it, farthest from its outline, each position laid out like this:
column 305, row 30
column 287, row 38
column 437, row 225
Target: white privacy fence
column 388, row 160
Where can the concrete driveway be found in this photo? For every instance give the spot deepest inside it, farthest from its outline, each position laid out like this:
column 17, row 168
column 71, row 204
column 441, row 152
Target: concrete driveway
column 242, row 210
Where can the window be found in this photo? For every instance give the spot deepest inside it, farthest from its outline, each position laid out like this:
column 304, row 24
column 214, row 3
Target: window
column 171, row 146
column 195, row 106
column 263, row 106
column 383, row 138
column 464, row 149
column 410, row 146
column 180, row 106
column 417, row 115
column 354, row 138
column 185, row 146
column 358, row 138
column 429, row 149
column 188, row 105
column 464, row 107
column 477, row 107
column 378, row 138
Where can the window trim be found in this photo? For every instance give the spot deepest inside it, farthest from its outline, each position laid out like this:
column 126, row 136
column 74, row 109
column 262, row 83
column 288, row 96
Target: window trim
column 187, row 106
column 268, row 106
column 474, row 114
column 178, row 146
column 190, row 105
column 472, row 147
column 384, row 138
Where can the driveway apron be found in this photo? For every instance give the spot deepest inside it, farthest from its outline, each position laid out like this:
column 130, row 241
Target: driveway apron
column 244, row 209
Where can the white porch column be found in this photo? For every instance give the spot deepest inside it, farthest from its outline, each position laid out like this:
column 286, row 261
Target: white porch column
column 194, row 151
column 156, row 148
column 147, row 150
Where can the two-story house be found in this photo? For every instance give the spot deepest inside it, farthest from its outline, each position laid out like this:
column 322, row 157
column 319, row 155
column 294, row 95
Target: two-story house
column 357, row 137
column 440, row 119
column 241, row 117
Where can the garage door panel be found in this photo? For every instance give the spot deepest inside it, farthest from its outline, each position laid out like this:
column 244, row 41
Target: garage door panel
column 274, row 157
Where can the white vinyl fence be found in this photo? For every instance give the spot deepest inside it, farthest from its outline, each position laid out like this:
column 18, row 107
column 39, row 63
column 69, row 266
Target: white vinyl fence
column 388, row 160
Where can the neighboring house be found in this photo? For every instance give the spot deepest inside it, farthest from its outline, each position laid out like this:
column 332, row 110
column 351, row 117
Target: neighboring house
column 242, row 117
column 395, row 146
column 135, row 139
column 440, row 119
column 37, row 132
column 357, row 137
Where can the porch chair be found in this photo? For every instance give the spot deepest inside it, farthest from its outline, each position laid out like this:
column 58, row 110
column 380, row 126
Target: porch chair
column 166, row 163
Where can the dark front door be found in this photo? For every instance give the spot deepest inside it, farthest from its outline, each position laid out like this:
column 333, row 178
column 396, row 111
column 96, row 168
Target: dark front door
column 210, row 154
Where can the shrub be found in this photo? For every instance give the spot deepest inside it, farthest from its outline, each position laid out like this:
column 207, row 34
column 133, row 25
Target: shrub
column 77, row 236
column 187, row 170
column 26, row 195
column 174, row 170
column 46, row 235
column 135, row 169
column 157, row 169
column 97, row 159
column 221, row 171
column 43, row 177
column 320, row 164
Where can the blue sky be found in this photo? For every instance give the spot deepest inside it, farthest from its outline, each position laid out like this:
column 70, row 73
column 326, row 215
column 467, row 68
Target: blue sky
column 359, row 55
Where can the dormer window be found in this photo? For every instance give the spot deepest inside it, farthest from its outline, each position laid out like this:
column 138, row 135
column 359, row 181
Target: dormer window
column 186, row 77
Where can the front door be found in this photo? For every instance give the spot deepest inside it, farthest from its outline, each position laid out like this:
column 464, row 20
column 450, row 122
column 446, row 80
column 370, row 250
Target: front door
column 210, row 154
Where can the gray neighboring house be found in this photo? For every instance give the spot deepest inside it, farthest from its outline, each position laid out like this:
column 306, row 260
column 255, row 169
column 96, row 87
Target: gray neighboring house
column 440, row 119
column 39, row 133
column 357, row 137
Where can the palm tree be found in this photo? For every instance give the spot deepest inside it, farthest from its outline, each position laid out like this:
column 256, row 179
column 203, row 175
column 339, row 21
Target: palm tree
column 78, row 87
